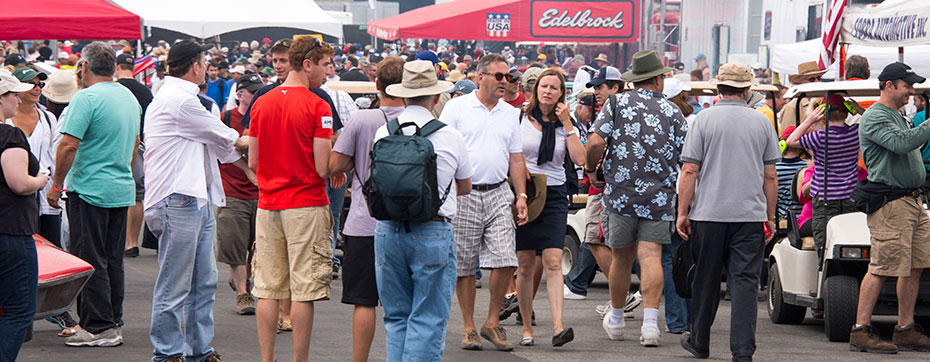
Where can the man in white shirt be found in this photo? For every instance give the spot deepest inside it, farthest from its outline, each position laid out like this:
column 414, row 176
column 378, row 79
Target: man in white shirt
column 416, row 279
column 485, row 225
column 183, row 143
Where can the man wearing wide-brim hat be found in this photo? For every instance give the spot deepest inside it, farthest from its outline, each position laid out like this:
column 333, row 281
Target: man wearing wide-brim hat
column 733, row 149
column 644, row 132
column 419, row 262
column 808, row 72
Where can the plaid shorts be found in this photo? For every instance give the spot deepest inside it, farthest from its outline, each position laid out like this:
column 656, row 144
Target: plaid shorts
column 484, row 227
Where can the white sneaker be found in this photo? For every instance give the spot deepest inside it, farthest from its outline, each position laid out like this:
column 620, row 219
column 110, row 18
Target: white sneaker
column 568, row 294
column 603, row 309
column 614, row 332
column 108, row 338
column 650, row 337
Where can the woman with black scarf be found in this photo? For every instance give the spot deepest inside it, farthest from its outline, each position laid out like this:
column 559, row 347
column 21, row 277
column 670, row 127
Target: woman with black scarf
column 547, row 132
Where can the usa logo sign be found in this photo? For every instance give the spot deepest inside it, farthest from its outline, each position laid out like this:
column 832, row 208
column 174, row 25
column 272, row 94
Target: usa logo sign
column 498, row 24
column 604, row 19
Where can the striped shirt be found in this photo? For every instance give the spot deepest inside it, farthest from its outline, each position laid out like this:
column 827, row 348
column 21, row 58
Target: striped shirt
column 786, row 169
column 843, row 158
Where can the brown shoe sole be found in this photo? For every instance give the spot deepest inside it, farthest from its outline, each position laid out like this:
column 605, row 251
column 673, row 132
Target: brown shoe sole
column 906, row 347
column 872, row 350
column 500, row 347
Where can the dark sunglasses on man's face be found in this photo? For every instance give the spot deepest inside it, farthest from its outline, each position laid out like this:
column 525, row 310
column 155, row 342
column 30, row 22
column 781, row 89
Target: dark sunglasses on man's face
column 813, row 79
column 500, row 76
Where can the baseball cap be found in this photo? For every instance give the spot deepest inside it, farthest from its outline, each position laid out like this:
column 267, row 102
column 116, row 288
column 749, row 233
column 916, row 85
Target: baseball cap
column 26, row 74
column 267, row 70
column 63, row 55
column 541, row 57
column 898, row 70
column 603, row 75
column 516, row 74
column 9, row 83
column 243, row 45
column 14, row 59
column 587, row 101
column 185, row 52
column 238, row 69
column 250, row 82
column 125, row 58
column 785, row 133
column 463, row 86
column 428, row 55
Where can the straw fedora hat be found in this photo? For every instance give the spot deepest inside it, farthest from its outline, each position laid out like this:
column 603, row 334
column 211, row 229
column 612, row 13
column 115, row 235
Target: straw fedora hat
column 646, row 64
column 535, row 196
column 419, row 80
column 602, row 57
column 61, row 86
column 806, row 69
column 735, row 75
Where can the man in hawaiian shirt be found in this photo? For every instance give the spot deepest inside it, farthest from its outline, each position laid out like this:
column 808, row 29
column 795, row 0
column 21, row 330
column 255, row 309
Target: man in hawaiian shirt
column 644, row 138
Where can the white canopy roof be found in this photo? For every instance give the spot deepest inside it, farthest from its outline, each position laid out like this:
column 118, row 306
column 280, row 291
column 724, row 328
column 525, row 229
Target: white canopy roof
column 786, row 57
column 206, row 18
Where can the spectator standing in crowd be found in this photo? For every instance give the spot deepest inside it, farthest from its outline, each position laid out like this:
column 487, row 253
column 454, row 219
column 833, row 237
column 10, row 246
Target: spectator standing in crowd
column 548, row 134
column 58, row 91
column 724, row 198
column 900, row 238
column 125, row 64
column 644, row 132
column 289, row 150
column 40, row 127
column 514, row 95
column 19, row 181
column 416, row 291
column 216, row 86
column 99, row 144
column 183, row 143
column 336, row 190
column 353, row 73
column 485, row 223
column 352, row 152
column 235, row 222
column 857, row 68
column 808, row 72
column 774, row 103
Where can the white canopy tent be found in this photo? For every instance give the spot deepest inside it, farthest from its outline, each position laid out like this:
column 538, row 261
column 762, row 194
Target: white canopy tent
column 786, row 57
column 206, row 18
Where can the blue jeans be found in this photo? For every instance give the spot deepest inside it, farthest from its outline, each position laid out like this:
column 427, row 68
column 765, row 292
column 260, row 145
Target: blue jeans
column 677, row 309
column 19, row 273
column 581, row 276
column 416, row 276
column 186, row 279
column 336, row 199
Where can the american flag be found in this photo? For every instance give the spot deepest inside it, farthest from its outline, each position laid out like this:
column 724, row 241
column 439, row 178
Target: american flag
column 144, row 68
column 831, row 34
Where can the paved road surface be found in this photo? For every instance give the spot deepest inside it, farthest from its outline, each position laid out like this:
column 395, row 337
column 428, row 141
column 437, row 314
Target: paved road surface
column 236, row 338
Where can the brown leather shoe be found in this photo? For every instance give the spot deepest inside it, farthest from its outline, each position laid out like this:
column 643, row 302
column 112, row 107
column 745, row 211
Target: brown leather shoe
column 498, row 336
column 911, row 337
column 866, row 339
column 178, row 358
column 213, row 357
column 471, row 342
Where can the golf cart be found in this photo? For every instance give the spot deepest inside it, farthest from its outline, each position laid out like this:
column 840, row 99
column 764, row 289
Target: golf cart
column 798, row 280
column 61, row 277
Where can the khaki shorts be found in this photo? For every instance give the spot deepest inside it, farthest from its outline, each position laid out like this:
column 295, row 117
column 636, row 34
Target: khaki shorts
column 900, row 238
column 293, row 254
column 235, row 230
column 592, row 220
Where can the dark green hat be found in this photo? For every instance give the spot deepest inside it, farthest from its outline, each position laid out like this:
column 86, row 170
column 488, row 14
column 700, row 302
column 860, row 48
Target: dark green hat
column 26, row 74
column 646, row 64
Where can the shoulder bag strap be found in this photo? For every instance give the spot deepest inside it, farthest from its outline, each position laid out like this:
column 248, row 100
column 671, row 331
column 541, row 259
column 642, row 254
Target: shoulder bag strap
column 393, row 126
column 227, row 117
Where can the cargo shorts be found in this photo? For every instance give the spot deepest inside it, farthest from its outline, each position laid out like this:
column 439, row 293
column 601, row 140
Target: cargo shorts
column 900, row 238
column 293, row 254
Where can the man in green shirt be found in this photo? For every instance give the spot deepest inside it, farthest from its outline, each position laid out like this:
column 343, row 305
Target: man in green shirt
column 900, row 230
column 100, row 134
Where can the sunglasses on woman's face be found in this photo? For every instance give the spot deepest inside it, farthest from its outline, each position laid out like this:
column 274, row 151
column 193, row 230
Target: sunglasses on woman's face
column 500, row 76
column 37, row 83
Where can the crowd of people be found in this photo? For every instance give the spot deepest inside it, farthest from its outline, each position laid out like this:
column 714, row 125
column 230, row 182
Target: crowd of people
column 243, row 156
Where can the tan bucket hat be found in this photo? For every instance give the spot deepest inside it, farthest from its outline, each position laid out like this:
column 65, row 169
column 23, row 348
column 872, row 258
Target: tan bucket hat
column 419, row 80
column 602, row 57
column 455, row 76
column 735, row 75
column 646, row 64
column 808, row 69
column 61, row 86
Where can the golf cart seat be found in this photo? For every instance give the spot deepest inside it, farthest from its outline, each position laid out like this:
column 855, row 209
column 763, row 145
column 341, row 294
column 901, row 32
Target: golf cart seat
column 807, row 243
column 61, row 278
column 794, row 234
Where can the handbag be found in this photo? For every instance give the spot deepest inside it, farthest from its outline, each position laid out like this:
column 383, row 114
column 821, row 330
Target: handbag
column 683, row 269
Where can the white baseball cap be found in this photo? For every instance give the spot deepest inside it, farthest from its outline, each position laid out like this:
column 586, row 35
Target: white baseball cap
column 9, row 83
column 238, row 69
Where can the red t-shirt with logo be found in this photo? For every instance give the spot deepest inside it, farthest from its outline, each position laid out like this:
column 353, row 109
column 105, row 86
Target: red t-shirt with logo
column 518, row 102
column 235, row 183
column 285, row 121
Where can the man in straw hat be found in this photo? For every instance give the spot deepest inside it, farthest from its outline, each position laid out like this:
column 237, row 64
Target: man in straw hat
column 416, row 291
column 808, row 72
column 644, row 133
column 722, row 214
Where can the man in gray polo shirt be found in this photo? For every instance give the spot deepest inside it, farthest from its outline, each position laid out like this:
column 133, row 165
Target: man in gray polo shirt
column 729, row 183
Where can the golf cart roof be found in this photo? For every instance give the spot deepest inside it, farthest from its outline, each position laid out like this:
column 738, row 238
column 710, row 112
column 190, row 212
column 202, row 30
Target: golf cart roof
column 852, row 88
column 353, row 87
column 701, row 88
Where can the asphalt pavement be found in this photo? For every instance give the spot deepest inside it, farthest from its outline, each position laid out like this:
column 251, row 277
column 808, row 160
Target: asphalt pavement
column 236, row 338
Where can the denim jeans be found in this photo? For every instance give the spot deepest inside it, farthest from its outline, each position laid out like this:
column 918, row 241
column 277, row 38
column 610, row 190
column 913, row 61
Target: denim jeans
column 416, row 276
column 581, row 276
column 336, row 199
column 186, row 279
column 677, row 309
column 19, row 273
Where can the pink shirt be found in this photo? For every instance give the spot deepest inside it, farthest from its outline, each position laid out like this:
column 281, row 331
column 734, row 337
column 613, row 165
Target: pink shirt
column 807, row 212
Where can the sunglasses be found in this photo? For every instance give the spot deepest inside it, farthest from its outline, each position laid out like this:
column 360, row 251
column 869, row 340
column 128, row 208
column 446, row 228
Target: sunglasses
column 285, row 42
column 500, row 76
column 813, row 79
column 39, row 84
column 316, row 41
column 265, row 76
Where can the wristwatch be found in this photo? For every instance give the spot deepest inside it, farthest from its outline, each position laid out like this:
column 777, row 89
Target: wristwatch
column 586, row 170
column 523, row 196
column 573, row 132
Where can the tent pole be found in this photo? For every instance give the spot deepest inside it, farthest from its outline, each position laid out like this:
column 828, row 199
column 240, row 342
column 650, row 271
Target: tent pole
column 901, row 54
column 842, row 70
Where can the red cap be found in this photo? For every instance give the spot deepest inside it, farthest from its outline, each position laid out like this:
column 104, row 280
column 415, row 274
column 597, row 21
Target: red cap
column 785, row 133
column 266, row 40
column 836, row 100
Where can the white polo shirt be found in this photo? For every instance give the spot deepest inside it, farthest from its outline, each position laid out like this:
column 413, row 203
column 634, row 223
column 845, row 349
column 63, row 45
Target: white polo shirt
column 490, row 135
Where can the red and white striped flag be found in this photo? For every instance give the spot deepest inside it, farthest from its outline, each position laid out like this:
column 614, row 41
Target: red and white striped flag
column 831, row 34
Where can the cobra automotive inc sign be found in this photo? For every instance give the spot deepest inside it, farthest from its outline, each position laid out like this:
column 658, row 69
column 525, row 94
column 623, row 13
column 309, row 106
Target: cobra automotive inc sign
column 607, row 19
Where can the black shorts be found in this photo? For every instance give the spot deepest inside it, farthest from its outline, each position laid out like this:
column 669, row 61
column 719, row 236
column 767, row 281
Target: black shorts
column 358, row 271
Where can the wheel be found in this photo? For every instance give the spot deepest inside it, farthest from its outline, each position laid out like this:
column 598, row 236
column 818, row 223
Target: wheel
column 840, row 299
column 570, row 252
column 779, row 311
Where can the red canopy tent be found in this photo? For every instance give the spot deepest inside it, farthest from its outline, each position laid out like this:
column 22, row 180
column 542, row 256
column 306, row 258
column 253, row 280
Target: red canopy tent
column 68, row 19
column 602, row 21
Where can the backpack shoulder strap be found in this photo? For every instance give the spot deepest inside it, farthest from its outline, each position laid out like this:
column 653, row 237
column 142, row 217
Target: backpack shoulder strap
column 227, row 117
column 430, row 127
column 521, row 116
column 393, row 126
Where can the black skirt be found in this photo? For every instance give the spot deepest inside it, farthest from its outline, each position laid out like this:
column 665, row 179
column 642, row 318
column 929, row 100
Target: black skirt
column 548, row 230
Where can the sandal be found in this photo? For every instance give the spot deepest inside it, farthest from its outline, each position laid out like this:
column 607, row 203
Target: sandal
column 285, row 326
column 527, row 341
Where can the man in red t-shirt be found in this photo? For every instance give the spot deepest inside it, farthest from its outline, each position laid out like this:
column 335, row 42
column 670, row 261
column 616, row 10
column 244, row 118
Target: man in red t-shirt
column 235, row 222
column 289, row 150
column 512, row 95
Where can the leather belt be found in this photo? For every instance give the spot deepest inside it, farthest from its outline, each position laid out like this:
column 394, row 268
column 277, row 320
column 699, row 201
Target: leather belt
column 443, row 219
column 487, row 187
column 915, row 193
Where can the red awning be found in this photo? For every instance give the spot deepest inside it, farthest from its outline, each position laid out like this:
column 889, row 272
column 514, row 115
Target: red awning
column 68, row 19
column 600, row 21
